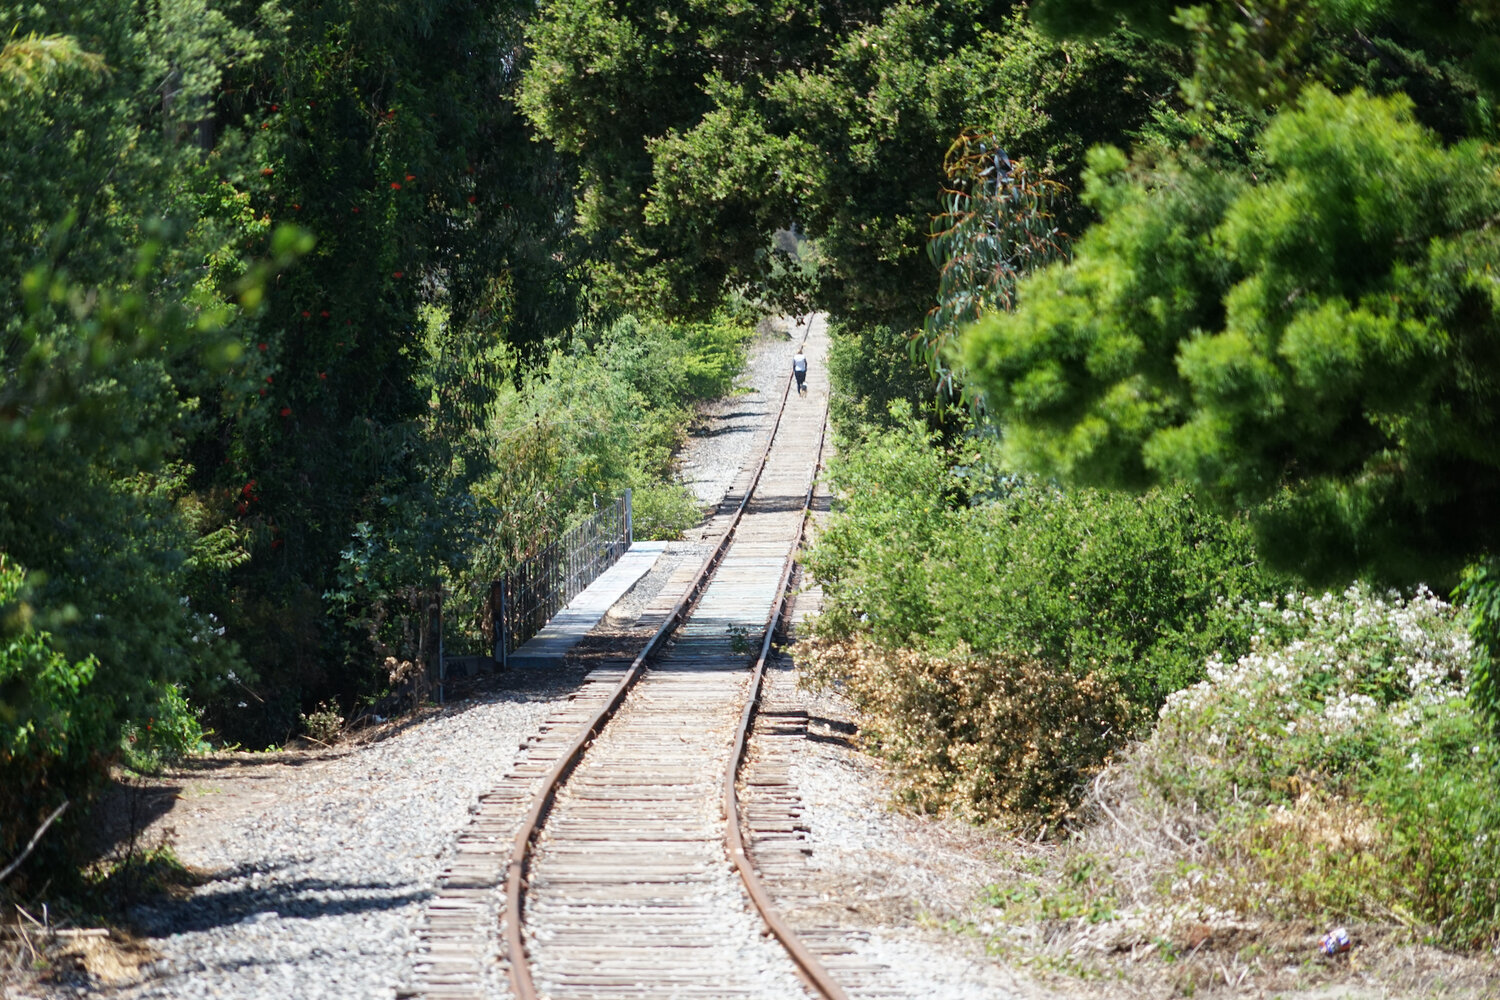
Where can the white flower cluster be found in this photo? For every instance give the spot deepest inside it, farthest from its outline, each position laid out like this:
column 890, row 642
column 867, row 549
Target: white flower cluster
column 1320, row 667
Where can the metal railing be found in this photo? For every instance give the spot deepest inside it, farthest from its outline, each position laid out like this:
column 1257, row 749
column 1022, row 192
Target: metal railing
column 527, row 597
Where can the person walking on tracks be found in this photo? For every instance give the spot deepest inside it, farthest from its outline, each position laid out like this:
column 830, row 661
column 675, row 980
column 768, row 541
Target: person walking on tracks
column 799, row 369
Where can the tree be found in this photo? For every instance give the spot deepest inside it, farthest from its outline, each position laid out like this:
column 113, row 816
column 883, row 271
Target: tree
column 998, row 224
column 699, row 131
column 1318, row 345
column 122, row 265
column 389, row 134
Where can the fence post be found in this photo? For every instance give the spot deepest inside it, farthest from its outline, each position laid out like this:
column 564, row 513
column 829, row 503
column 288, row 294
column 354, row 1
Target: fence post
column 629, row 520
column 499, row 610
column 437, row 614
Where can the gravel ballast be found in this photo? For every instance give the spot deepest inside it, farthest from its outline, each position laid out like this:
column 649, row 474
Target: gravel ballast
column 316, row 894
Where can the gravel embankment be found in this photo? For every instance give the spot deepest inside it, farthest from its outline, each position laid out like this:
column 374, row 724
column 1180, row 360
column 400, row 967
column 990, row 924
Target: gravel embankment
column 726, row 429
column 316, row 894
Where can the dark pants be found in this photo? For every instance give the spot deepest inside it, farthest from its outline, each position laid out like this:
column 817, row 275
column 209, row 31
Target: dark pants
column 801, row 377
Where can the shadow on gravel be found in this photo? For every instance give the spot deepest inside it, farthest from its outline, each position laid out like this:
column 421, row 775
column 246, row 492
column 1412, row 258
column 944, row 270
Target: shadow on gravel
column 296, row 898
column 737, row 415
column 732, row 429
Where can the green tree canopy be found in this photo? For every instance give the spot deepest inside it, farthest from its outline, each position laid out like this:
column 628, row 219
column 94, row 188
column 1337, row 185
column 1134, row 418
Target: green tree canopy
column 701, row 129
column 1316, row 342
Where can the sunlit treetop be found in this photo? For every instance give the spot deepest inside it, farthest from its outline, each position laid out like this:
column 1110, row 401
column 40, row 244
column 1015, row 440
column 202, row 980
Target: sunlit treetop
column 1317, row 343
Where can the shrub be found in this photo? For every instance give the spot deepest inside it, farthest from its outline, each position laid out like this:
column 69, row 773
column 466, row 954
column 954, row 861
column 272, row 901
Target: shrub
column 1331, row 685
column 324, row 724
column 664, row 510
column 1480, row 592
column 1337, row 769
column 1439, row 792
column 873, row 368
column 171, row 732
column 54, row 738
column 986, row 736
column 603, row 412
column 931, row 548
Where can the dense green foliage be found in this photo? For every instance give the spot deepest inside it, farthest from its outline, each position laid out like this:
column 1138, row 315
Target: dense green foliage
column 977, row 615
column 831, row 118
column 1308, row 333
column 931, row 549
column 388, row 134
column 127, row 265
column 1323, row 338
column 1480, row 592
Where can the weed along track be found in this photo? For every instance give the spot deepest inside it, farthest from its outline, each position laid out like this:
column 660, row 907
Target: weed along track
column 626, row 875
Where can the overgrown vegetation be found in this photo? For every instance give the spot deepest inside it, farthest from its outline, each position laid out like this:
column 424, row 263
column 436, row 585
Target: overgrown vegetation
column 936, row 548
column 958, row 601
column 604, row 412
column 1337, row 768
column 1334, row 774
column 317, row 308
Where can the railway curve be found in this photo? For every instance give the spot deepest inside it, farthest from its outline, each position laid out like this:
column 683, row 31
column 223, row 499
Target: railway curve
column 628, row 890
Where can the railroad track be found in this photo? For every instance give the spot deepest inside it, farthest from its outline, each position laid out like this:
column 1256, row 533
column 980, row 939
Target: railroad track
column 625, row 873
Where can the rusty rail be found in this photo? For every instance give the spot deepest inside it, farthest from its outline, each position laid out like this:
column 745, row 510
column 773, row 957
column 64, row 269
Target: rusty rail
column 813, row 971
column 519, row 967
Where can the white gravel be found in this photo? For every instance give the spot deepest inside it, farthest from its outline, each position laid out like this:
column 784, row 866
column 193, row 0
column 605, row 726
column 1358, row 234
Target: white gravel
column 317, row 894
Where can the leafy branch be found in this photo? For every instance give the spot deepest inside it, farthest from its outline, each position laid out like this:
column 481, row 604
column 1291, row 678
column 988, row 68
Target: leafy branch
column 997, row 224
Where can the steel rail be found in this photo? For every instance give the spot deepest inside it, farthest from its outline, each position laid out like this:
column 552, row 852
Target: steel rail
column 520, row 976
column 813, row 971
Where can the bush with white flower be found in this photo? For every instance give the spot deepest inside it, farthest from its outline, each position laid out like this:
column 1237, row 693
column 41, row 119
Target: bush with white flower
column 1330, row 684
column 1339, row 766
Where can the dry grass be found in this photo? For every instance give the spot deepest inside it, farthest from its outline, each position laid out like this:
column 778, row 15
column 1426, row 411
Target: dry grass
column 1160, row 910
column 36, row 956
